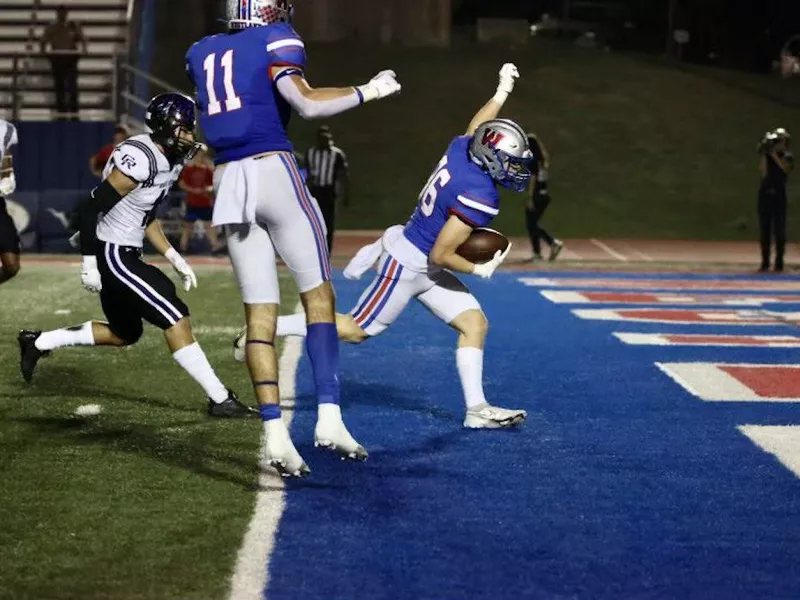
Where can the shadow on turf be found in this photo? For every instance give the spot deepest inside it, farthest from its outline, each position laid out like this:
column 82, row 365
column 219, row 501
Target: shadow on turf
column 71, row 384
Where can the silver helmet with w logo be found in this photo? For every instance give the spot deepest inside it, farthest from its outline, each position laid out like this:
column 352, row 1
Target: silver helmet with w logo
column 500, row 146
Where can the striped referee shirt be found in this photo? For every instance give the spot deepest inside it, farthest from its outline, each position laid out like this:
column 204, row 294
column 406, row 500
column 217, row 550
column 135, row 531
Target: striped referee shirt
column 325, row 166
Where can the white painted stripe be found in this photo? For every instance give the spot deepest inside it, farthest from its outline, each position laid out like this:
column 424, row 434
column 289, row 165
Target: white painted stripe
column 782, row 441
column 478, row 206
column 709, row 383
column 642, row 339
column 537, row 282
column 133, row 288
column 251, row 574
column 609, row 250
column 284, row 44
column 177, row 316
column 565, row 297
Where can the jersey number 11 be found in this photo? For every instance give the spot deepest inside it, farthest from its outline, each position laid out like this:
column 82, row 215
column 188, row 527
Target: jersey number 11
column 232, row 101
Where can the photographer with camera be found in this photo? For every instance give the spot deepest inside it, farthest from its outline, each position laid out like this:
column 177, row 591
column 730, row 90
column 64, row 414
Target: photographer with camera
column 775, row 164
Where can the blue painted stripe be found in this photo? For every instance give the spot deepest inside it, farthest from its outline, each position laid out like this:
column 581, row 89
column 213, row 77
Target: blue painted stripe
column 375, row 285
column 388, row 295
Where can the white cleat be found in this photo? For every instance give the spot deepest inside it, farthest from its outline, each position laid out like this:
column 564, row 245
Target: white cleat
column 239, row 345
column 331, row 434
column 487, row 416
column 280, row 453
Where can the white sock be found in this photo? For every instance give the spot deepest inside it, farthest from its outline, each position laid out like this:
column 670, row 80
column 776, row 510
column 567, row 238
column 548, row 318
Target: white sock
column 194, row 361
column 72, row 336
column 292, row 325
column 470, row 370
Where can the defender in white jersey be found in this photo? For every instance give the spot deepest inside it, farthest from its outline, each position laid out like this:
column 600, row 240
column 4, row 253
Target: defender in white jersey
column 113, row 224
column 9, row 238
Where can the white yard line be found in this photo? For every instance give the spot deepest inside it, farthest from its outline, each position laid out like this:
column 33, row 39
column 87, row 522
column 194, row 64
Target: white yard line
column 251, row 576
column 609, row 250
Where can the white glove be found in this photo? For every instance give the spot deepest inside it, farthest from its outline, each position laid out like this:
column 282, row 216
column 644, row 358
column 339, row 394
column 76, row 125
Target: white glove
column 183, row 269
column 487, row 269
column 90, row 276
column 384, row 84
column 8, row 185
column 508, row 76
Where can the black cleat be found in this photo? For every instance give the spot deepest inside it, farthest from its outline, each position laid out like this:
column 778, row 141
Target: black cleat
column 29, row 354
column 230, row 408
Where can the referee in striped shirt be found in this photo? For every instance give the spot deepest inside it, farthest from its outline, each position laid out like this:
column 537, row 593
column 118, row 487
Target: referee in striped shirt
column 328, row 178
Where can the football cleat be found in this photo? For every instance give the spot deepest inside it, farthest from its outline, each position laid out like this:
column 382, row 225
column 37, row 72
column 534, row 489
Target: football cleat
column 231, row 408
column 239, row 345
column 555, row 250
column 331, row 434
column 487, row 416
column 280, row 453
column 29, row 354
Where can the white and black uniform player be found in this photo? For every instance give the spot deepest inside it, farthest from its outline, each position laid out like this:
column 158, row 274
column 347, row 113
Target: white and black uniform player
column 9, row 238
column 114, row 222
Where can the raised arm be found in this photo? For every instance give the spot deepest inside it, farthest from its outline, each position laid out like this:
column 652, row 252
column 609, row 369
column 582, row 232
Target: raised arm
column 319, row 103
column 490, row 110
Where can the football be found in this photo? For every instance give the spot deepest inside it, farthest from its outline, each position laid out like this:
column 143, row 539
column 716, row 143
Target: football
column 482, row 244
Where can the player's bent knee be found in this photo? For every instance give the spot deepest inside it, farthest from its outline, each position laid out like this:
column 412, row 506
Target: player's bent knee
column 472, row 322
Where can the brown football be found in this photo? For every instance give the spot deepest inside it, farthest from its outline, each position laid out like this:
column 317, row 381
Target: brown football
column 482, row 244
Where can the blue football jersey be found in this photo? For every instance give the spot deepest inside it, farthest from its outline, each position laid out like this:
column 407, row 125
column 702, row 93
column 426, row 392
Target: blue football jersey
column 457, row 187
column 241, row 111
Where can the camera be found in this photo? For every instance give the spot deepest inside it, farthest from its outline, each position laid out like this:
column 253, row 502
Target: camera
column 767, row 143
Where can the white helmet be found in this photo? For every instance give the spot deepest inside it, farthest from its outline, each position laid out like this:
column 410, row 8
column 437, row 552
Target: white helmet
column 501, row 147
column 255, row 13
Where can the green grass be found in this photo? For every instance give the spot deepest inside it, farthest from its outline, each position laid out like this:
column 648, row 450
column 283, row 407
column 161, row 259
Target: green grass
column 148, row 500
column 640, row 149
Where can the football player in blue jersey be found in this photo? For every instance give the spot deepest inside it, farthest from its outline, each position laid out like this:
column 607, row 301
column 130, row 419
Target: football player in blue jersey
column 248, row 81
column 418, row 260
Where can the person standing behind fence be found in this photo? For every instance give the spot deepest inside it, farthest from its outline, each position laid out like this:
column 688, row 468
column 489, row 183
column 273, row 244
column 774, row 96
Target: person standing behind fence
column 775, row 164
column 98, row 160
column 197, row 180
column 539, row 200
column 63, row 37
column 328, row 177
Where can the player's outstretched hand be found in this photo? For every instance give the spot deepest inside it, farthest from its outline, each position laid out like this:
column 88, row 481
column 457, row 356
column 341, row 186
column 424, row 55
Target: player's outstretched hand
column 383, row 85
column 487, row 269
column 508, row 77
column 90, row 276
column 182, row 268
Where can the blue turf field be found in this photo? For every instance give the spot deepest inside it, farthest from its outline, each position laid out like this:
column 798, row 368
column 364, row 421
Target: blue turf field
column 620, row 485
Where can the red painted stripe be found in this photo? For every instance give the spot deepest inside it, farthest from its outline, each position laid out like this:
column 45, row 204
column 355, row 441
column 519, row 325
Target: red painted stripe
column 376, row 300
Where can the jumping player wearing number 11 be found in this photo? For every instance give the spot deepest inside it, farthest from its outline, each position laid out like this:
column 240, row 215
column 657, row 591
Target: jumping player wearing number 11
column 418, row 260
column 113, row 224
column 248, row 82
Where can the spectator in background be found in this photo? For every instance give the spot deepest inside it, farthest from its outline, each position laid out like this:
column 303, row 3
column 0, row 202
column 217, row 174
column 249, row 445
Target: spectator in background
column 328, row 177
column 197, row 180
column 63, row 37
column 775, row 164
column 98, row 160
column 538, row 201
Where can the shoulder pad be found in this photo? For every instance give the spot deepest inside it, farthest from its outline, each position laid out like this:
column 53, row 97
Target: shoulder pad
column 136, row 159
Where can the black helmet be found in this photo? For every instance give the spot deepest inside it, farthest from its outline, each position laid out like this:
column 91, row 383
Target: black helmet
column 167, row 116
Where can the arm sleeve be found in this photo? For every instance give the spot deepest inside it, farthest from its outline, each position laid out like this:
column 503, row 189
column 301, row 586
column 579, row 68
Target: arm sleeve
column 102, row 199
column 136, row 160
column 313, row 109
column 475, row 210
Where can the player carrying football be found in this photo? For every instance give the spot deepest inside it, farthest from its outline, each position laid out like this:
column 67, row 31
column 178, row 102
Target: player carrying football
column 114, row 221
column 9, row 238
column 248, row 82
column 418, row 260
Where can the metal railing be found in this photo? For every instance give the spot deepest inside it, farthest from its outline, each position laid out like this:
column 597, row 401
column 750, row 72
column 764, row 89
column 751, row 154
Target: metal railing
column 129, row 107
